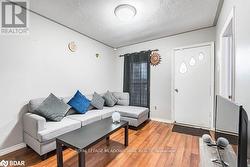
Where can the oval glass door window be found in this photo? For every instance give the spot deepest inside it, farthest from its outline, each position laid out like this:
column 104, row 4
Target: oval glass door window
column 183, row 68
column 201, row 56
column 192, row 62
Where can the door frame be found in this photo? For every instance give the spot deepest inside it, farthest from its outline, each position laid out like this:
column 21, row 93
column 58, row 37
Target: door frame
column 211, row 44
column 230, row 18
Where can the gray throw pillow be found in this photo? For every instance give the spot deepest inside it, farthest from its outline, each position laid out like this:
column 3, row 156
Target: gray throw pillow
column 97, row 101
column 52, row 108
column 110, row 99
column 115, row 99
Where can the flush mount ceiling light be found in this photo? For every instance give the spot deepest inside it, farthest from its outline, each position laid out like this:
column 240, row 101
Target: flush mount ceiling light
column 125, row 12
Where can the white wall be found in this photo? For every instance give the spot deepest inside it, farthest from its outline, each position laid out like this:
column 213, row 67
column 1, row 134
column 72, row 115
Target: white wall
column 161, row 74
column 242, row 80
column 34, row 65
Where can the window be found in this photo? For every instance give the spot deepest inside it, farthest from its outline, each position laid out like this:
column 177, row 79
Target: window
column 139, row 84
column 137, row 78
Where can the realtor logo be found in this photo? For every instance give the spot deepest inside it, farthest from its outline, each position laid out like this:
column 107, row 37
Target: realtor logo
column 4, row 163
column 14, row 18
column 13, row 15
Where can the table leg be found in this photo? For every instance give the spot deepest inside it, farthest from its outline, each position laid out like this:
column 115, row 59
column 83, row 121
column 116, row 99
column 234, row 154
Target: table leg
column 81, row 158
column 107, row 140
column 126, row 136
column 59, row 154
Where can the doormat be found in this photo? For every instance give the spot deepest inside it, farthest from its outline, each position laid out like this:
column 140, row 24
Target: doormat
column 189, row 130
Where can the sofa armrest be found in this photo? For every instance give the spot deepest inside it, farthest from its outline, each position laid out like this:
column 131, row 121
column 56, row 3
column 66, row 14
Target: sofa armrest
column 33, row 123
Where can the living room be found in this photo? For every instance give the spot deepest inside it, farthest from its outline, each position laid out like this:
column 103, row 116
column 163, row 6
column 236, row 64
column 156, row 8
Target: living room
column 138, row 83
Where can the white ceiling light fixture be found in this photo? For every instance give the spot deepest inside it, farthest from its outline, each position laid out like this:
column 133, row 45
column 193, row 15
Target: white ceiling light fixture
column 125, row 12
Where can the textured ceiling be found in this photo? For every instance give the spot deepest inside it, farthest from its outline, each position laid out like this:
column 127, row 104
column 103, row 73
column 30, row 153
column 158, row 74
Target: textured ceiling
column 154, row 18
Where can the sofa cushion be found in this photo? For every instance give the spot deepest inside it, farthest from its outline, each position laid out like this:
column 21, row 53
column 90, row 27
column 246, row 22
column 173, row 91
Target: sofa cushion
column 88, row 117
column 123, row 98
column 79, row 102
column 97, row 101
column 110, row 99
column 34, row 103
column 55, row 129
column 132, row 111
column 108, row 111
column 52, row 108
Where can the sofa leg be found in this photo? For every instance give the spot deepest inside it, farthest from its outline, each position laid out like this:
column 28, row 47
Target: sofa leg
column 44, row 156
column 133, row 128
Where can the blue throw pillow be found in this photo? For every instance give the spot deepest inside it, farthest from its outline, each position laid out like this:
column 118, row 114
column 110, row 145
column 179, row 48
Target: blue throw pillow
column 79, row 102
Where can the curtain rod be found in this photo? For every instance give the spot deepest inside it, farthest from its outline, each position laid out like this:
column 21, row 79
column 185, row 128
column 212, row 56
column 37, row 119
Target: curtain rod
column 155, row 50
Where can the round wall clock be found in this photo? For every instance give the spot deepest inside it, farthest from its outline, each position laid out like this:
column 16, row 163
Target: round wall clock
column 72, row 46
column 155, row 58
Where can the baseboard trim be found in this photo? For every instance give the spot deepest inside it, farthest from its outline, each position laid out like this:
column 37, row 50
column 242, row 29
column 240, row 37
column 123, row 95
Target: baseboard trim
column 12, row 148
column 162, row 120
column 193, row 126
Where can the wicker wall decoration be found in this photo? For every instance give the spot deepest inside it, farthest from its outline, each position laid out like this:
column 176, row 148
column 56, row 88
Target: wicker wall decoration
column 155, row 58
column 72, row 46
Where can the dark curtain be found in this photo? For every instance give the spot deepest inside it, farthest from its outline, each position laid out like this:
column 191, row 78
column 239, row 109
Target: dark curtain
column 136, row 79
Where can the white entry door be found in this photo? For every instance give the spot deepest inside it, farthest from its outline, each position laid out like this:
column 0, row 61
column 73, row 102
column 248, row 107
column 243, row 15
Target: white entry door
column 193, row 85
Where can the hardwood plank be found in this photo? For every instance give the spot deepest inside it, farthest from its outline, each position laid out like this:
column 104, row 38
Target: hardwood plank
column 136, row 141
column 151, row 158
column 161, row 147
column 187, row 151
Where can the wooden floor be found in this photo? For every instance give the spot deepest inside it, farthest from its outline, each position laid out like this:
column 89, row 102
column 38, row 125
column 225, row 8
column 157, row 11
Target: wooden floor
column 154, row 145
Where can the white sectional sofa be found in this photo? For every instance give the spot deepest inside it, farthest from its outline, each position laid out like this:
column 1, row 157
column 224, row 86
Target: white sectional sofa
column 40, row 134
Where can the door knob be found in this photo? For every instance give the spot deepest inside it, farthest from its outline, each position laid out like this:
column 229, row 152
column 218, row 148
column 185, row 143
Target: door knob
column 176, row 90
